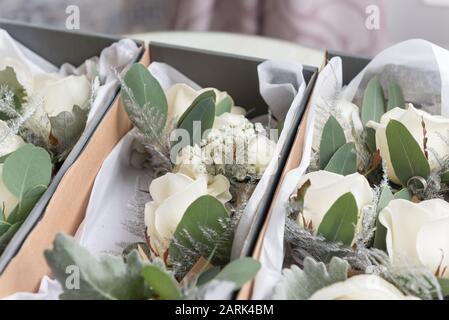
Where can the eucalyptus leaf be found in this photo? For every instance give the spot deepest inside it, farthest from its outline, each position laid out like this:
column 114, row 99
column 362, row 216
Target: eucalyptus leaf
column 162, row 284
column 406, row 156
column 344, row 161
column 403, row 194
column 370, row 139
column 332, row 138
column 7, row 235
column 203, row 225
column 224, row 105
column 145, row 101
column 444, row 285
column 239, row 271
column 373, row 106
column 9, row 80
column 208, row 275
column 67, row 128
column 201, row 112
column 105, row 278
column 297, row 284
column 25, row 169
column 395, row 96
column 338, row 224
column 24, row 207
column 380, row 236
column 3, row 158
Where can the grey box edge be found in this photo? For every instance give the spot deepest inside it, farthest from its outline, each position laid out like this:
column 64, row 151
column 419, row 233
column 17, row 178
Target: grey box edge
column 37, row 213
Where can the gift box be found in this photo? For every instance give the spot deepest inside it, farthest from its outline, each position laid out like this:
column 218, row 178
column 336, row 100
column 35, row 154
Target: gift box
column 352, row 65
column 58, row 47
column 235, row 74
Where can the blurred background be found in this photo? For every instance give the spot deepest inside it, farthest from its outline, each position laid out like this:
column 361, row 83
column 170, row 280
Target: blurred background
column 354, row 26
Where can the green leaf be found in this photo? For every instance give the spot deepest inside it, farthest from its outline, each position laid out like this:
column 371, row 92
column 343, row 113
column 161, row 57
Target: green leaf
column 8, row 78
column 206, row 217
column 444, row 285
column 395, row 96
column 162, row 284
column 403, row 194
column 297, row 284
column 371, row 139
column 380, row 236
column 332, row 138
column 108, row 277
column 385, row 197
column 25, row 169
column 338, row 224
column 145, row 101
column 201, row 111
column 344, row 161
column 208, row 275
column 223, row 106
column 239, row 271
column 407, row 158
column 27, row 204
column 3, row 158
column 67, row 128
column 373, row 106
column 7, row 234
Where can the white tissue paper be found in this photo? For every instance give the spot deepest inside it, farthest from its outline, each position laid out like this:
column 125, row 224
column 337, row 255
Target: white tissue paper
column 109, row 227
column 422, row 71
column 112, row 60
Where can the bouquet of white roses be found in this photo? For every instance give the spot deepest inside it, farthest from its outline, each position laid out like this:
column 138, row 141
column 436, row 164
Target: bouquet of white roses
column 186, row 172
column 43, row 112
column 368, row 220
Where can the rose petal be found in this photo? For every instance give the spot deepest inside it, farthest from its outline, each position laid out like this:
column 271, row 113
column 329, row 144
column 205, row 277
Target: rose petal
column 167, row 185
column 172, row 209
column 403, row 219
column 432, row 245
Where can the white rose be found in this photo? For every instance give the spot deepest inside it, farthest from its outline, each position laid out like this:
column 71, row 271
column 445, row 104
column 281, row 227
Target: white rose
column 22, row 71
column 347, row 115
column 418, row 232
column 180, row 96
column 62, row 94
column 325, row 188
column 361, row 287
column 437, row 128
column 172, row 194
column 260, row 152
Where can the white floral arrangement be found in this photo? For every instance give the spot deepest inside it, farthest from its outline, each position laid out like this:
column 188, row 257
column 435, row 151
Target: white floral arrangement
column 204, row 159
column 41, row 118
column 370, row 218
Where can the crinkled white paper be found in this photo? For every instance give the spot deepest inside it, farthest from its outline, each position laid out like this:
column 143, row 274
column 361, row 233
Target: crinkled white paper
column 281, row 83
column 112, row 59
column 272, row 254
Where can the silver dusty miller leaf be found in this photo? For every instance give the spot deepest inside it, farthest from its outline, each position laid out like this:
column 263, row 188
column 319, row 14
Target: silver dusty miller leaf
column 298, row 284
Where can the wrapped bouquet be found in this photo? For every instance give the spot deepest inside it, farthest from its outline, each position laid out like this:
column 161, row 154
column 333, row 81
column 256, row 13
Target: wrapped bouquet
column 169, row 197
column 368, row 215
column 43, row 112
